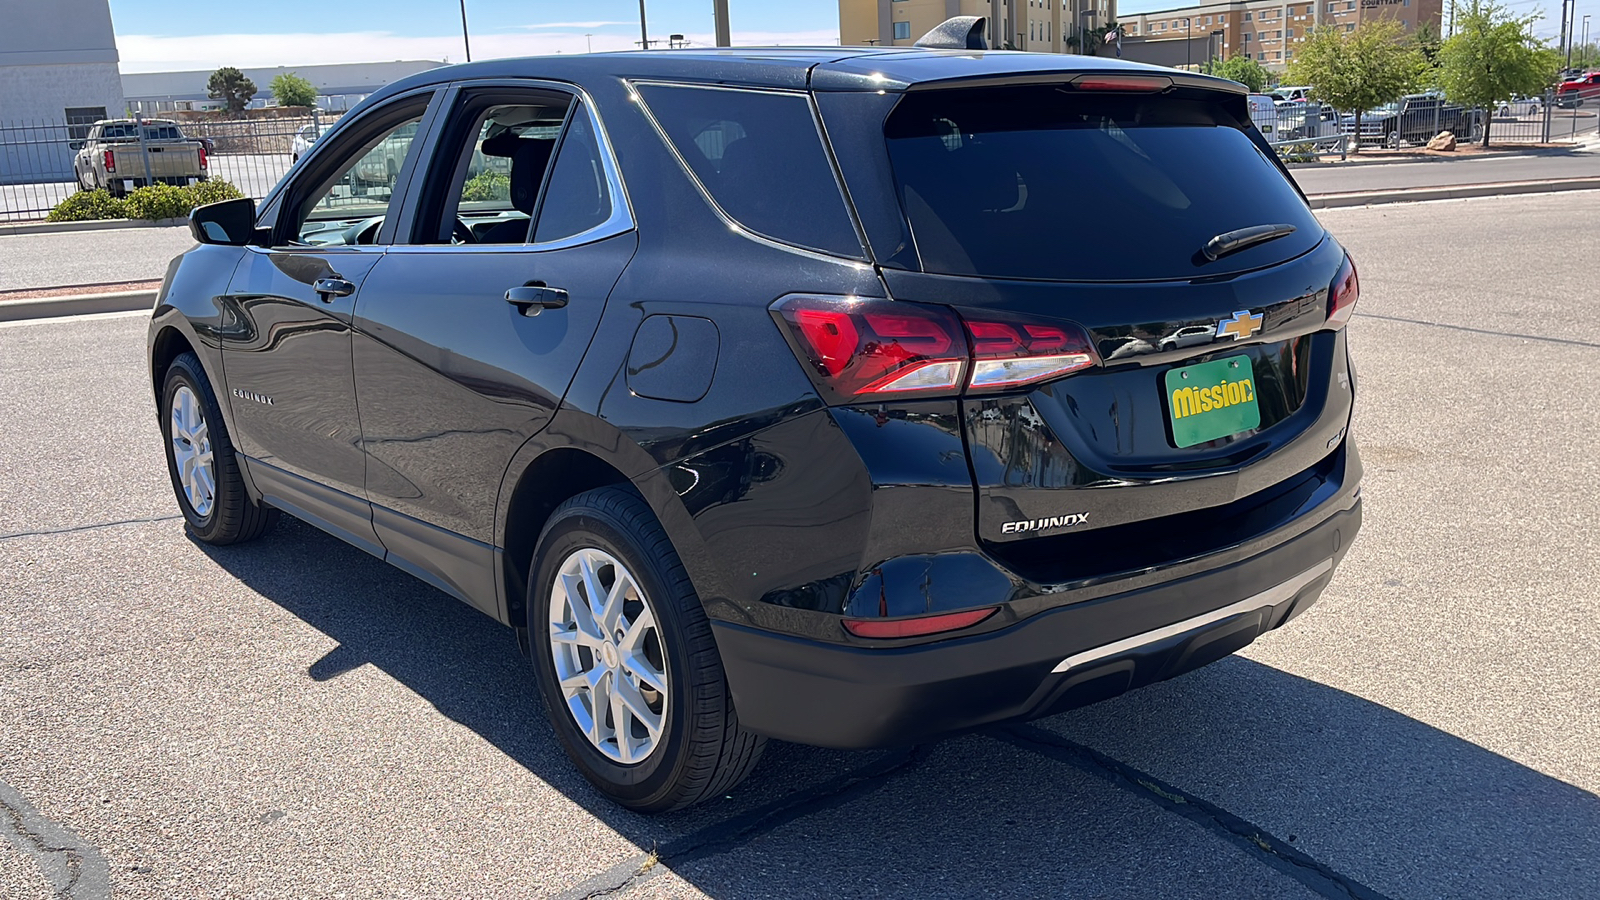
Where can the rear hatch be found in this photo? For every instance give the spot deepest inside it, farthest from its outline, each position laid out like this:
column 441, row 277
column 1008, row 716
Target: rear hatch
column 1149, row 217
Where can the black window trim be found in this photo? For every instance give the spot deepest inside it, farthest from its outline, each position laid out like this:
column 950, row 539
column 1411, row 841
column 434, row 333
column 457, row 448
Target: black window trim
column 705, row 193
column 621, row 221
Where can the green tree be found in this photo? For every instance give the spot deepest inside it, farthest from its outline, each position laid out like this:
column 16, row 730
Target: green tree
column 1426, row 39
column 228, row 83
column 1494, row 56
column 1357, row 70
column 1242, row 69
column 290, row 89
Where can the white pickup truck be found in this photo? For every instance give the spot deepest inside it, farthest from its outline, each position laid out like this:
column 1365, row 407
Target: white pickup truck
column 111, row 156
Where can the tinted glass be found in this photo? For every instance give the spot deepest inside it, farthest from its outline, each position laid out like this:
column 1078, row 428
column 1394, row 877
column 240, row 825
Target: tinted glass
column 1037, row 182
column 363, row 189
column 762, row 159
column 578, row 197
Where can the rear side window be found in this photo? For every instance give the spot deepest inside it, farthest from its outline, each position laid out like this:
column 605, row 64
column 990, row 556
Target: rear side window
column 761, row 157
column 1043, row 182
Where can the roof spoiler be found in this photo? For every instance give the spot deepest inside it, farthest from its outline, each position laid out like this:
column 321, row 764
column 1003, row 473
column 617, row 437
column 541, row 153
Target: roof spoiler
column 957, row 33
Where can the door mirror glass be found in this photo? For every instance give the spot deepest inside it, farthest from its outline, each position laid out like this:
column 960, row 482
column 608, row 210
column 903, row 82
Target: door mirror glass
column 76, row 145
column 230, row 222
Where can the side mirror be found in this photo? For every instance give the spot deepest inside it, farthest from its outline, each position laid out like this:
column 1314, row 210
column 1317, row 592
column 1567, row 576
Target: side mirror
column 76, row 145
column 231, row 223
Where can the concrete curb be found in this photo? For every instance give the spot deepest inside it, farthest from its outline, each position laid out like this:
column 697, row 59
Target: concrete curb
column 91, row 225
column 1453, row 192
column 79, row 305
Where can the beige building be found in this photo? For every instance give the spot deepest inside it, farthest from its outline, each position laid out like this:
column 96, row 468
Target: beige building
column 1269, row 31
column 1043, row 26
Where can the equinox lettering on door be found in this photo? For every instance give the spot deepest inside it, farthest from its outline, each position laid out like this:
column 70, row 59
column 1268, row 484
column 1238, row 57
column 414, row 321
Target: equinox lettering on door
column 1042, row 524
column 251, row 395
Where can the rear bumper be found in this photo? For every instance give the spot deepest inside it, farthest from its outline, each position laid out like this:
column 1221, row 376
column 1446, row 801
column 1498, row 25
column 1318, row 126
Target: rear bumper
column 843, row 696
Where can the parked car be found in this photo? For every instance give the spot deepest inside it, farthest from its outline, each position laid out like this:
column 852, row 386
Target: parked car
column 1416, row 119
column 750, row 428
column 1519, row 107
column 112, row 157
column 1574, row 92
column 1292, row 94
column 303, row 139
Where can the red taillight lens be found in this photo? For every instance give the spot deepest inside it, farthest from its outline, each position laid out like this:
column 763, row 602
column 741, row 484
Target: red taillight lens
column 857, row 348
column 1343, row 294
column 1009, row 351
column 111, row 160
column 202, row 157
column 921, row 625
column 862, row 347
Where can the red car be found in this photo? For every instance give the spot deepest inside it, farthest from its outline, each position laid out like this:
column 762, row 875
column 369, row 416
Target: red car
column 1574, row 92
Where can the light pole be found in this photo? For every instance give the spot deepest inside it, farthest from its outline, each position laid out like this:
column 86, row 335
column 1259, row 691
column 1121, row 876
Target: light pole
column 644, row 33
column 1188, row 45
column 1586, row 42
column 464, row 39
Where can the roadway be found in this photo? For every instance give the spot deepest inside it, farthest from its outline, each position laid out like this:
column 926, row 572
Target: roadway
column 294, row 718
column 1333, row 178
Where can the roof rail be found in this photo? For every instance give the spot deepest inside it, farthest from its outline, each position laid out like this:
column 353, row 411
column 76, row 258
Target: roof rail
column 957, row 33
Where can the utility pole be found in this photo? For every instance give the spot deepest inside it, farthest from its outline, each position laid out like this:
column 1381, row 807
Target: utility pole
column 644, row 33
column 1563, row 36
column 1585, row 43
column 464, row 39
column 1188, row 43
column 719, row 12
column 1572, row 22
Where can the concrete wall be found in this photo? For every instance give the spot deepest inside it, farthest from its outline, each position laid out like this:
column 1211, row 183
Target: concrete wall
column 55, row 55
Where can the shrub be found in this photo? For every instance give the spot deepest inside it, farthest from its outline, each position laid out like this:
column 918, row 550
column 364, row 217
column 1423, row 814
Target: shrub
column 86, row 205
column 214, row 192
column 159, row 201
column 487, row 185
column 156, row 202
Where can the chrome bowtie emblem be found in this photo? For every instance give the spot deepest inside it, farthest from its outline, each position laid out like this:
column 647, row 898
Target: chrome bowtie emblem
column 1242, row 325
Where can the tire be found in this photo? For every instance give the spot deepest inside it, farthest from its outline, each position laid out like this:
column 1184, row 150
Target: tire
column 1392, row 140
column 698, row 749
column 229, row 516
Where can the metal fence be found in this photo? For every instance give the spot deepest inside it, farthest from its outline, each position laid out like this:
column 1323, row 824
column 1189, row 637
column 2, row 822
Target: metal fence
column 36, row 158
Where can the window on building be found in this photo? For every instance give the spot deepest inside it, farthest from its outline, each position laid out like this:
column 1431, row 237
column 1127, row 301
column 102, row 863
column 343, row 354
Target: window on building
column 1247, row 15
column 1289, row 33
column 79, row 118
column 1261, row 55
column 902, row 30
column 1245, row 39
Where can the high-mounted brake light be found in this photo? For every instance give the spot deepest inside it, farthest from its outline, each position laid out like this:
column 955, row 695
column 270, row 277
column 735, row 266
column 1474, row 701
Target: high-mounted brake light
column 1343, row 294
column 110, row 160
column 857, row 349
column 1132, row 83
column 921, row 625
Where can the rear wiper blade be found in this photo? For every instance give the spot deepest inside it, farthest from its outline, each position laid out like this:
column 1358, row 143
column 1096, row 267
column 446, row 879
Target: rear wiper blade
column 1234, row 241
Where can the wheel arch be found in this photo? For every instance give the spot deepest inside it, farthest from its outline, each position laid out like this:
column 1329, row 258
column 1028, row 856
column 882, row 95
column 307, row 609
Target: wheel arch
column 168, row 344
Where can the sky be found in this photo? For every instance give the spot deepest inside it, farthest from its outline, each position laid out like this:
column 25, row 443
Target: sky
column 151, row 38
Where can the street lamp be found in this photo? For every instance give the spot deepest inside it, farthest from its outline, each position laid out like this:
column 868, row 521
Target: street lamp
column 464, row 39
column 1586, row 42
column 1188, row 46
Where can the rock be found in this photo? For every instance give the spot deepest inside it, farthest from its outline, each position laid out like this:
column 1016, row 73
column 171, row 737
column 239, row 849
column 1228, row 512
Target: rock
column 1444, row 140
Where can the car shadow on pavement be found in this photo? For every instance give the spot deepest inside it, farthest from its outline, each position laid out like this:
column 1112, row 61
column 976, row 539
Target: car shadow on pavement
column 1236, row 780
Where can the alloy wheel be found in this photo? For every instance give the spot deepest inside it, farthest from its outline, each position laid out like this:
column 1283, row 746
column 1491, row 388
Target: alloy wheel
column 191, row 451
column 609, row 660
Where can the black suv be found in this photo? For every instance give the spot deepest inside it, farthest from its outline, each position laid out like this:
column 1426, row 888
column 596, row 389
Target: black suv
column 849, row 396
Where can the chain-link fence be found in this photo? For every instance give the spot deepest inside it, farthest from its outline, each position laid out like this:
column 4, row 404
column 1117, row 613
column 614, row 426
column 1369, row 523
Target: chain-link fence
column 40, row 162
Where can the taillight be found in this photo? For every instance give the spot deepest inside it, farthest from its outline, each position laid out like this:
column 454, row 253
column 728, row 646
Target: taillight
column 1343, row 294
column 1009, row 351
column 202, row 157
column 855, row 349
column 859, row 347
column 921, row 625
column 110, row 161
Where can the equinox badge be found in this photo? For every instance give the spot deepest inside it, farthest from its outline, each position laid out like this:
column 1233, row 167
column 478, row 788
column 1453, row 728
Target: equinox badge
column 1042, row 524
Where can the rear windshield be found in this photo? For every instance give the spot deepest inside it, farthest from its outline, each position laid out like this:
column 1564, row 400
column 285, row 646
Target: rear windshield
column 151, row 132
column 1041, row 182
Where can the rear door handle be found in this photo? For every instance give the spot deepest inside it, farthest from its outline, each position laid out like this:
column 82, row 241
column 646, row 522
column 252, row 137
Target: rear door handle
column 329, row 288
column 535, row 297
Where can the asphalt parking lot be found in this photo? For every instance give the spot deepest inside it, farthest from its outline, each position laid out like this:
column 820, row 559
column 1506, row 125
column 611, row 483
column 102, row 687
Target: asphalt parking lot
column 294, row 718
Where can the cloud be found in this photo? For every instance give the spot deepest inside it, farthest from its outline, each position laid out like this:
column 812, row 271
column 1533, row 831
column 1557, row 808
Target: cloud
column 542, row 25
column 165, row 53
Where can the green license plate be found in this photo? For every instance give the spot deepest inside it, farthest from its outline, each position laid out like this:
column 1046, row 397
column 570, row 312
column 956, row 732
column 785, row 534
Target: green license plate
column 1212, row 400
